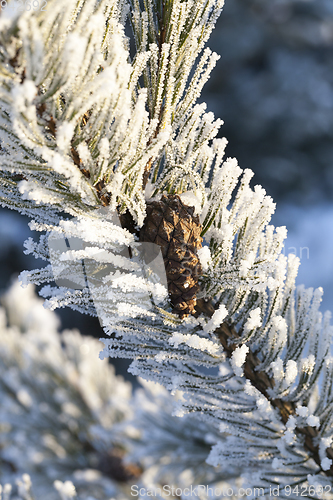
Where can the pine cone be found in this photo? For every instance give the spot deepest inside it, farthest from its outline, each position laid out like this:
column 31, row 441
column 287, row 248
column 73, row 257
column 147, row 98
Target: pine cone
column 172, row 225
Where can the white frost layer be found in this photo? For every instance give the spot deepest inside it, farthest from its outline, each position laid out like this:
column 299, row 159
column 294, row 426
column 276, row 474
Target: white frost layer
column 326, row 463
column 216, row 320
column 277, row 368
column 254, row 320
column 204, row 257
column 195, row 342
column 313, row 421
column 291, row 371
column 238, row 359
column 302, row 411
column 192, row 200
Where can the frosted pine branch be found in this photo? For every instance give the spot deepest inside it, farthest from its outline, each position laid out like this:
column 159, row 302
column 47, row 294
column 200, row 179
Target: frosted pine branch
column 82, row 79
column 266, row 384
column 59, row 404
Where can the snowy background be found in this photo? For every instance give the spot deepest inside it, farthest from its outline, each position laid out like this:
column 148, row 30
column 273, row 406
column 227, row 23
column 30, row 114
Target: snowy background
column 273, row 87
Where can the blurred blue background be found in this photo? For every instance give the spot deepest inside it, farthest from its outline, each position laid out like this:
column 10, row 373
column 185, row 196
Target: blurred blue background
column 273, row 87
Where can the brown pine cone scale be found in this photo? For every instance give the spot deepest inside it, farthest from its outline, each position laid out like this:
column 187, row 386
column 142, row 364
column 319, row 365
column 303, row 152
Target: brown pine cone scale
column 174, row 227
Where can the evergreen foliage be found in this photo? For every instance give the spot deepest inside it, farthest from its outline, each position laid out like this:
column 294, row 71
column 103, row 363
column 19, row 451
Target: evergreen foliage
column 89, row 133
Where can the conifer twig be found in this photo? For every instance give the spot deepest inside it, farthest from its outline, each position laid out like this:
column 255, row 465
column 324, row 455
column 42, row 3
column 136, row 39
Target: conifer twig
column 262, row 382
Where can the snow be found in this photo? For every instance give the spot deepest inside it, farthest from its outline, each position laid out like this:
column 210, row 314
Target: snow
column 277, row 368
column 278, row 331
column 218, row 317
column 22, row 302
column 64, row 135
column 75, row 48
column 302, row 411
column 308, row 363
column 289, row 437
column 254, row 320
column 84, row 152
column 291, row 423
column 277, row 463
column 22, row 93
column 24, row 397
column 129, row 283
column 326, row 463
column 291, row 371
column 246, row 264
column 249, row 388
column 126, row 309
column 204, row 257
column 245, row 213
column 263, row 405
column 192, row 199
column 325, row 442
column 13, row 231
column 194, row 341
column 7, row 16
column 313, row 421
column 66, row 489
column 238, row 359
